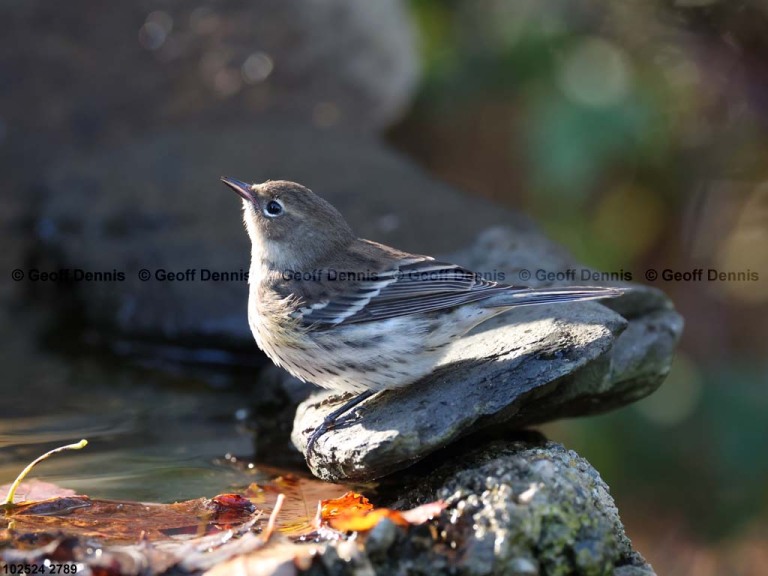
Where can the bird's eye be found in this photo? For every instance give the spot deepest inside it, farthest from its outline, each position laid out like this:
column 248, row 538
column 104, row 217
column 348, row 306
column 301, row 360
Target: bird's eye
column 273, row 208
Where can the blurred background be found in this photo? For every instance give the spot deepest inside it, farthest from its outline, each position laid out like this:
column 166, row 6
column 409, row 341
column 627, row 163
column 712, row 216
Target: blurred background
column 634, row 133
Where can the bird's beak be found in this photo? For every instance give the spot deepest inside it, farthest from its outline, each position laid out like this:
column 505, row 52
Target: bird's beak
column 240, row 187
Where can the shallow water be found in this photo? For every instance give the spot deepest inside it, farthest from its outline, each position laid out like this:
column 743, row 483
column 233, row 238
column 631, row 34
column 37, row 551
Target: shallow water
column 151, row 437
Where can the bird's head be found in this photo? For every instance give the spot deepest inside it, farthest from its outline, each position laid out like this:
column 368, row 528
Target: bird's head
column 290, row 227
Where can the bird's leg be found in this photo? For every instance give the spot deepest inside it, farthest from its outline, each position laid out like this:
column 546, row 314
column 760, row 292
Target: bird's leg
column 329, row 422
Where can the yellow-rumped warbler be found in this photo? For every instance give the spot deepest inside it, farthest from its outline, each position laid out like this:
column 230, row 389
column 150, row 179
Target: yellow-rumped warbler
column 353, row 315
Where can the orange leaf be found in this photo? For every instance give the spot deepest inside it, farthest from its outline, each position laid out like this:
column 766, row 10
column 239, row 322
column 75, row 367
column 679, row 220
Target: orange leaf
column 353, row 513
column 349, row 503
column 365, row 521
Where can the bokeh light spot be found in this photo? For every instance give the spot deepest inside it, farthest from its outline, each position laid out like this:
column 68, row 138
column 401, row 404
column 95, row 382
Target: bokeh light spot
column 227, row 82
column 154, row 32
column 595, row 73
column 152, row 36
column 219, row 74
column 257, row 68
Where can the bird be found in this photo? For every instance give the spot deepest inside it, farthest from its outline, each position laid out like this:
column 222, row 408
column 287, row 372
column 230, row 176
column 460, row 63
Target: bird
column 353, row 315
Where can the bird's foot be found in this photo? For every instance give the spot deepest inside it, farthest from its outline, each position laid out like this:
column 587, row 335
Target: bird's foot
column 330, row 421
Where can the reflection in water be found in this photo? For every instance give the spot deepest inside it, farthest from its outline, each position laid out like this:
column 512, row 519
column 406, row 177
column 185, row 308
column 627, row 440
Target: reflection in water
column 147, row 441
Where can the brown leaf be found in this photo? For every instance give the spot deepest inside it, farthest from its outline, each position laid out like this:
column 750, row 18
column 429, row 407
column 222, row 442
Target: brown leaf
column 230, row 509
column 194, row 535
column 117, row 522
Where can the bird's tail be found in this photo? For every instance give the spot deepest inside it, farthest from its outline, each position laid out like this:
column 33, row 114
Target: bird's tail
column 516, row 296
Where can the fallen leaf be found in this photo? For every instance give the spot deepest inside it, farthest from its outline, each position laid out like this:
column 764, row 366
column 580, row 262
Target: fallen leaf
column 228, row 502
column 228, row 531
column 363, row 522
column 354, row 513
column 349, row 503
column 117, row 522
column 301, row 498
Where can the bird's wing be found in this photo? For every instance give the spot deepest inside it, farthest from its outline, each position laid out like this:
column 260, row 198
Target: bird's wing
column 410, row 287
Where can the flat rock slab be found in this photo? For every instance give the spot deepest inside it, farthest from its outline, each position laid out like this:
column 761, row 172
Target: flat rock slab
column 523, row 359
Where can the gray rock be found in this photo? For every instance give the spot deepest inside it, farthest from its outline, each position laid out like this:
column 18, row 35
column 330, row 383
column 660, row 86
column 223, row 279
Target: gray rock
column 525, row 367
column 521, row 508
column 524, row 507
column 642, row 356
column 157, row 204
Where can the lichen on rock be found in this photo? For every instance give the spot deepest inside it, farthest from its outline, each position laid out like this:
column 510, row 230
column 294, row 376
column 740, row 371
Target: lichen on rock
column 526, row 507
